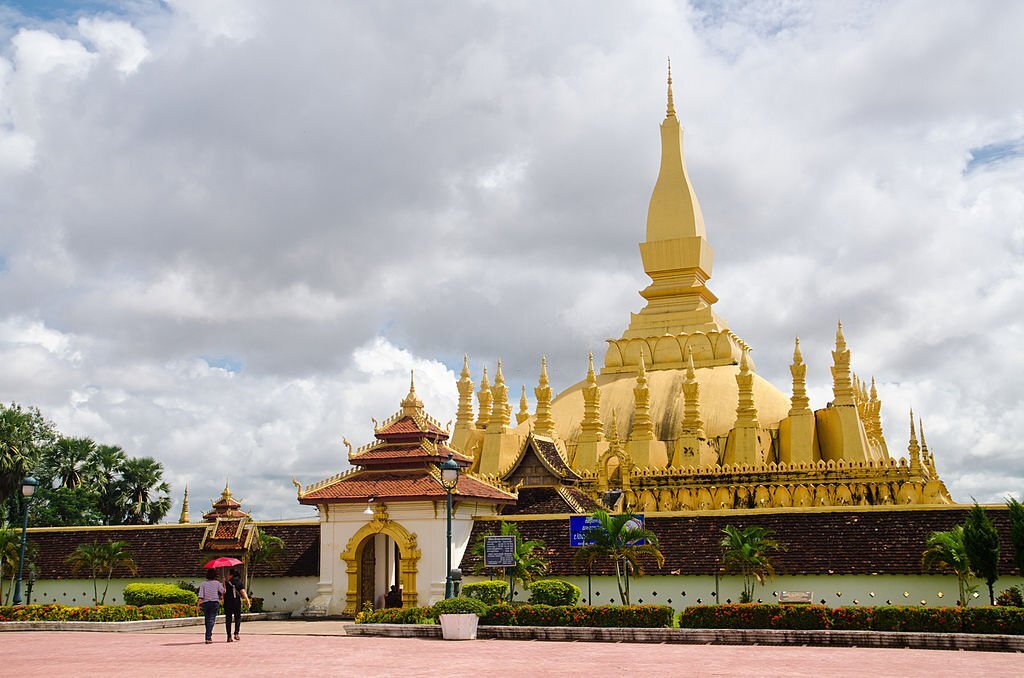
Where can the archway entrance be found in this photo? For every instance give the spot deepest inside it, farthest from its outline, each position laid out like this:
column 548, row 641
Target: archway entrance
column 380, row 574
column 381, row 554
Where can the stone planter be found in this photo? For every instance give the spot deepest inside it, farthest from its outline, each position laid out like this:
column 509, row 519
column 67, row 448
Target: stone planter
column 459, row 626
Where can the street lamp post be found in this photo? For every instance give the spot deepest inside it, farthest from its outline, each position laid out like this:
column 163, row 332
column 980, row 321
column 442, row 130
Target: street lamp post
column 28, row 488
column 449, row 480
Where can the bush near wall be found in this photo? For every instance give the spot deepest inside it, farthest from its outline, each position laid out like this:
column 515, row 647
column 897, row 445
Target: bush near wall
column 396, row 615
column 490, row 592
column 157, row 594
column 99, row 613
column 635, row 616
column 1007, row 620
column 554, row 592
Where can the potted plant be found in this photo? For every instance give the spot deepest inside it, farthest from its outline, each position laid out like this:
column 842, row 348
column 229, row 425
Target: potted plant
column 459, row 617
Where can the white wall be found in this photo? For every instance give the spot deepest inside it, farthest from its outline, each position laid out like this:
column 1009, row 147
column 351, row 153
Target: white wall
column 837, row 590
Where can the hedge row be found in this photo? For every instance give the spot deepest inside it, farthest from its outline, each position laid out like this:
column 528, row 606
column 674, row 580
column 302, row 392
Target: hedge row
column 1006, row 620
column 504, row 614
column 99, row 613
column 157, row 594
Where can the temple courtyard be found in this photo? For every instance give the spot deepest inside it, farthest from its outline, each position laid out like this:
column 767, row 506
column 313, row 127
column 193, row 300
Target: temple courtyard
column 321, row 648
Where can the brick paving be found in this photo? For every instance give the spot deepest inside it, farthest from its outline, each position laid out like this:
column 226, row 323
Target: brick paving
column 270, row 649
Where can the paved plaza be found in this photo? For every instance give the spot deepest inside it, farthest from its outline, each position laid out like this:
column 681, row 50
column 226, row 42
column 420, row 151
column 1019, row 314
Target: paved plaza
column 321, row 648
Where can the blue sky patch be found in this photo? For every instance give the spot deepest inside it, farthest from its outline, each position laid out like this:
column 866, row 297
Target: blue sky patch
column 228, row 363
column 993, row 153
column 51, row 10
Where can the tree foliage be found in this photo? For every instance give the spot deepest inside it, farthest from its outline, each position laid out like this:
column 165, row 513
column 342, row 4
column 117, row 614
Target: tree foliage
column 748, row 551
column 101, row 560
column 981, row 542
column 620, row 539
column 24, row 433
column 945, row 552
column 1017, row 532
column 267, row 550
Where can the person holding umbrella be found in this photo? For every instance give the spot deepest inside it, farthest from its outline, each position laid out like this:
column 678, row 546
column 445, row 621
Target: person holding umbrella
column 211, row 592
column 235, row 594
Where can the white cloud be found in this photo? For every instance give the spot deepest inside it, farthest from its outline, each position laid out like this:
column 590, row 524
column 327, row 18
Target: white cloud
column 118, row 39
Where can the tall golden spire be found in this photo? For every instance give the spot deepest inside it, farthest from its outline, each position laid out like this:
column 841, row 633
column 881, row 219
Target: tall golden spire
column 913, row 449
column 592, row 430
column 643, row 429
column 464, row 413
column 799, row 403
column 670, row 110
column 842, row 384
column 524, row 408
column 928, row 459
column 692, row 423
column 746, row 412
column 184, row 508
column 483, row 396
column 501, row 411
column 544, row 425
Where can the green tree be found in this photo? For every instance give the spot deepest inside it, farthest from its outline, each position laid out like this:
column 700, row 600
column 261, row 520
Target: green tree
column 1017, row 532
column 67, row 463
column 23, row 434
column 105, row 468
column 267, row 550
column 528, row 557
column 618, row 538
column 748, row 551
column 945, row 552
column 10, row 544
column 64, row 507
column 144, row 490
column 101, row 560
column 981, row 542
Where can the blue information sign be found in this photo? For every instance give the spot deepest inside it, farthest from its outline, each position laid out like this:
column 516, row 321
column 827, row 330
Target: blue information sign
column 578, row 525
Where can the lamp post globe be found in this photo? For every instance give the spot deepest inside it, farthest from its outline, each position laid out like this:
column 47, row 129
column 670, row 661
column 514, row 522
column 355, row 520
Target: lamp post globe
column 28, row 488
column 449, row 481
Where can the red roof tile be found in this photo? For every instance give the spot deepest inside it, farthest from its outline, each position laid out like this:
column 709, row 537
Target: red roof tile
column 399, row 484
column 406, row 425
column 407, row 451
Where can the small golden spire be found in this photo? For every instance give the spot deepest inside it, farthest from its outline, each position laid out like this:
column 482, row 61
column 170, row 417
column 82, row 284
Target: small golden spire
column 671, row 109
column 524, row 408
column 643, row 427
column 591, row 376
column 746, row 411
column 412, row 405
column 799, row 402
column 501, row 411
column 842, row 384
column 464, row 412
column 184, row 508
column 544, row 425
column 465, row 366
column 484, row 397
column 912, row 448
column 591, row 428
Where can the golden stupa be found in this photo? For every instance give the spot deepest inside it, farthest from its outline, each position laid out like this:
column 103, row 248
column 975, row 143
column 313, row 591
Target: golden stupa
column 677, row 417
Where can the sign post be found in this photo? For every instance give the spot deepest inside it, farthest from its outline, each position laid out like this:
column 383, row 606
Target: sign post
column 500, row 551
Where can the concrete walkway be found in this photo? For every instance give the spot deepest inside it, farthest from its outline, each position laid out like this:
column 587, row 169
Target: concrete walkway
column 274, row 649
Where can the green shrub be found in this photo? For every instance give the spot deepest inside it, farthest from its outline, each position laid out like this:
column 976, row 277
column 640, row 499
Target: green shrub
column 554, row 592
column 1008, row 620
column 1011, row 597
column 157, row 594
column 459, row 605
column 906, row 618
column 187, row 586
column 491, row 592
column 852, row 618
column 395, row 615
column 541, row 615
column 502, row 614
column 99, row 613
column 169, row 611
column 755, row 616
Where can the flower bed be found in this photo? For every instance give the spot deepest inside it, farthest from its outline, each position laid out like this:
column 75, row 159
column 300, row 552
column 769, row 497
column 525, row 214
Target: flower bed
column 1005, row 620
column 99, row 613
column 503, row 614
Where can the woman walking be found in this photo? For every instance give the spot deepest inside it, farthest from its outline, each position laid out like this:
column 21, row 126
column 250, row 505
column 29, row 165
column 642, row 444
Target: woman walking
column 233, row 597
column 211, row 592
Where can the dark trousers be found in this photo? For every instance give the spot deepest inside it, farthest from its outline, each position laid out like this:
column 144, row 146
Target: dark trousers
column 233, row 611
column 210, row 609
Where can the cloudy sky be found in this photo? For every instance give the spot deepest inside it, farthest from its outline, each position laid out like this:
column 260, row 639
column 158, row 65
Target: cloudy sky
column 229, row 229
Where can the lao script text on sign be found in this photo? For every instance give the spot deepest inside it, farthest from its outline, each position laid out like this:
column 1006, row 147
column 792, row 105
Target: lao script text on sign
column 796, row 597
column 578, row 526
column 500, row 551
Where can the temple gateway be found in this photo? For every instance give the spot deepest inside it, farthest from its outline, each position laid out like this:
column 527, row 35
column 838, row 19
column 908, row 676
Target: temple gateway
column 676, row 420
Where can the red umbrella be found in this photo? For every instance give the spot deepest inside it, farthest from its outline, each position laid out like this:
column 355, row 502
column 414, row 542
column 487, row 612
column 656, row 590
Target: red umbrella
column 222, row 562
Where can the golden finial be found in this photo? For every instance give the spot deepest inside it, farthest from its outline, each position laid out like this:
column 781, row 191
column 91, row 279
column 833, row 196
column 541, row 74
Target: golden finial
column 544, row 370
column 499, row 378
column 798, row 357
column 642, row 367
column 465, row 366
column 840, row 339
column 227, row 491
column 591, row 376
column 524, row 408
column 913, row 435
column 671, row 110
column 184, row 508
column 874, row 393
column 412, row 404
column 484, row 383
column 744, row 364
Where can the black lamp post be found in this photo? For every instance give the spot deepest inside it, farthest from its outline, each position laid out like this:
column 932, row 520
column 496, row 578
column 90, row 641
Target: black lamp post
column 28, row 488
column 449, row 480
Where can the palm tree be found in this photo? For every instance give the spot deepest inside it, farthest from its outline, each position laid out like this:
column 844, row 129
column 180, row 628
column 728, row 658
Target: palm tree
column 946, row 552
column 10, row 541
column 620, row 538
column 23, row 433
column 529, row 564
column 268, row 550
column 141, row 484
column 69, row 461
column 105, row 466
column 748, row 551
column 101, row 559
